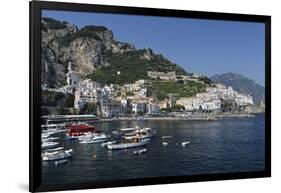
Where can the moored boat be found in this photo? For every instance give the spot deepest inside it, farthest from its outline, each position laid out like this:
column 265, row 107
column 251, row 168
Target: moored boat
column 167, row 136
column 88, row 135
column 97, row 138
column 75, row 131
column 165, row 143
column 49, row 139
column 52, row 150
column 107, row 143
column 129, row 129
column 45, row 135
column 136, row 142
column 57, row 155
column 185, row 143
column 49, row 144
column 143, row 133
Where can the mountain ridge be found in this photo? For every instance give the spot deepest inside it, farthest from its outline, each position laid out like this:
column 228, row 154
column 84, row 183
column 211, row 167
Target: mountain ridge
column 241, row 84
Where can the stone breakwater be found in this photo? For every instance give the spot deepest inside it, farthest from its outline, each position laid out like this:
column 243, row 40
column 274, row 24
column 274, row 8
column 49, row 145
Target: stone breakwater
column 179, row 118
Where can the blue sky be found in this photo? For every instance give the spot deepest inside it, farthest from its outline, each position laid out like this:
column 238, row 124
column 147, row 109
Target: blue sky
column 203, row 46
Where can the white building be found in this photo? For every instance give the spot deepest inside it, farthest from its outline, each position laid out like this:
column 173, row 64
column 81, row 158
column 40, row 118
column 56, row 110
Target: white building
column 191, row 103
column 153, row 109
column 136, row 88
column 162, row 75
column 72, row 78
column 89, row 86
column 164, row 104
column 142, row 92
column 211, row 105
column 88, row 91
column 138, row 108
column 111, row 109
column 124, row 103
column 243, row 100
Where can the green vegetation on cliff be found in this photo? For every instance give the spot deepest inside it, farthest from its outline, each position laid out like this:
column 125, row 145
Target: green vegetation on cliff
column 85, row 32
column 164, row 88
column 131, row 66
column 51, row 23
column 56, row 99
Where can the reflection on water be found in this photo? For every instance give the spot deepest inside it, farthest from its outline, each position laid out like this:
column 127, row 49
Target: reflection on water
column 228, row 145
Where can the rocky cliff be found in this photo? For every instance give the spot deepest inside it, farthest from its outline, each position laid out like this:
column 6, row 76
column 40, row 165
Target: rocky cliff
column 85, row 48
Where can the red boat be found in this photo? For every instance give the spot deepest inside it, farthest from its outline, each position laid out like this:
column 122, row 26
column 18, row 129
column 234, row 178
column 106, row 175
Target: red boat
column 74, row 131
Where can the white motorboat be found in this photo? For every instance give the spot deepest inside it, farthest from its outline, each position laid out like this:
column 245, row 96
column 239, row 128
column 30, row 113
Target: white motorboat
column 88, row 135
column 97, row 138
column 52, row 150
column 140, row 151
column 167, row 137
column 44, row 135
column 52, row 131
column 49, row 139
column 136, row 142
column 185, row 143
column 49, row 144
column 107, row 143
column 55, row 151
column 119, row 133
column 127, row 129
column 57, row 155
column 52, row 126
column 165, row 143
column 143, row 133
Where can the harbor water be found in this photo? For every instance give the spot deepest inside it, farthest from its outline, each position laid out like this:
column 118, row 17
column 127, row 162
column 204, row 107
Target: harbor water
column 221, row 146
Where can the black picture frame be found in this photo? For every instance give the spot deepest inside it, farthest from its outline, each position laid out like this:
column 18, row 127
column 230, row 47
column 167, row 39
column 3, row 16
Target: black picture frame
column 35, row 94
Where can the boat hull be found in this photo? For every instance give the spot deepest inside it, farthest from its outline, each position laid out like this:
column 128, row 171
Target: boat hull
column 127, row 145
column 94, row 141
column 50, row 145
column 57, row 157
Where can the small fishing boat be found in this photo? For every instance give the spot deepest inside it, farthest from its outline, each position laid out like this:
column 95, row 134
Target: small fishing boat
column 55, row 151
column 127, row 129
column 143, row 133
column 136, row 142
column 185, row 143
column 119, row 133
column 49, row 144
column 167, row 137
column 97, row 138
column 49, row 139
column 140, row 151
column 165, row 143
column 44, row 135
column 63, row 161
column 52, row 126
column 52, row 150
column 57, row 155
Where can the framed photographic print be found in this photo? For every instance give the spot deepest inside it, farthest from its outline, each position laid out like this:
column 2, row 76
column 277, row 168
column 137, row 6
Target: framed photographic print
column 126, row 96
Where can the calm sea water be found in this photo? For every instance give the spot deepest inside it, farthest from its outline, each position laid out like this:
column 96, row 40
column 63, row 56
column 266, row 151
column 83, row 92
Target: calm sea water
column 227, row 145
